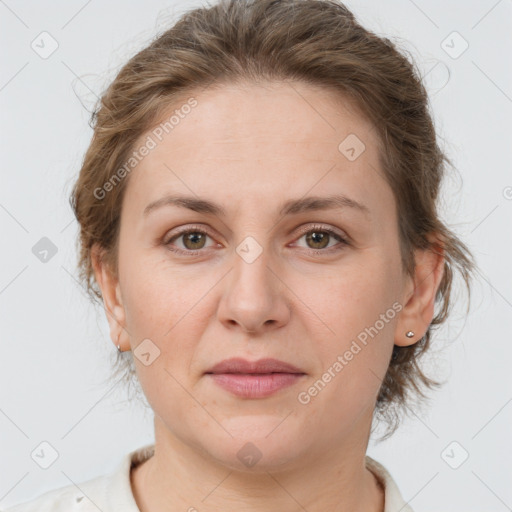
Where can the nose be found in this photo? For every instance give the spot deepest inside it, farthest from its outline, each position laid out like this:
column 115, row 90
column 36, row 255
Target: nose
column 254, row 298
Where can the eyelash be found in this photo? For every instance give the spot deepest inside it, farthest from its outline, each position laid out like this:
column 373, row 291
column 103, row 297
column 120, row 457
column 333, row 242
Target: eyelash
column 342, row 241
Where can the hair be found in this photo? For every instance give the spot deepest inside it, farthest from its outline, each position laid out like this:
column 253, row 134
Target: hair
column 316, row 42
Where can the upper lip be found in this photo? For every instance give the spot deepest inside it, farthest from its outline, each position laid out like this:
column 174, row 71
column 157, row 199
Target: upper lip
column 239, row 365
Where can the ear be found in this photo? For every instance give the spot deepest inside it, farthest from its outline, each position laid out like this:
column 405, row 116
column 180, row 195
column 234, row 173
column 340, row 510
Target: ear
column 112, row 300
column 419, row 295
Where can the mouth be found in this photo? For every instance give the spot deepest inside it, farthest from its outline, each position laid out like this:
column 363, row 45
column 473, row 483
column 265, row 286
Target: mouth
column 262, row 385
column 257, row 379
column 262, row 366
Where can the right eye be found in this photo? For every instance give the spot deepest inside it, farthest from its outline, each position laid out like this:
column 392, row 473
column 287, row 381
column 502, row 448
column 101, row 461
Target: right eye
column 193, row 240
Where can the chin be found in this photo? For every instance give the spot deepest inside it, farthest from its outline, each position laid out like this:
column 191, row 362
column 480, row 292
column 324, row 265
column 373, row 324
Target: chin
column 260, row 443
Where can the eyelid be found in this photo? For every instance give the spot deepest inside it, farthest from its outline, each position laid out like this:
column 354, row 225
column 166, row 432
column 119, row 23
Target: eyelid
column 323, row 227
column 186, row 228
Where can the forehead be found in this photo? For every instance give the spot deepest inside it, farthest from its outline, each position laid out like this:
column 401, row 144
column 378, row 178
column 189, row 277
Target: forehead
column 268, row 138
column 290, row 112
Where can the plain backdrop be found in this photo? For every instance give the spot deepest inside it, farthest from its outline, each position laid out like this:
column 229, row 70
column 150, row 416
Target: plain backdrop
column 55, row 348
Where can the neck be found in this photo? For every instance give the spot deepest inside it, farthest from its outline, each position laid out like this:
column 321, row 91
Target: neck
column 180, row 477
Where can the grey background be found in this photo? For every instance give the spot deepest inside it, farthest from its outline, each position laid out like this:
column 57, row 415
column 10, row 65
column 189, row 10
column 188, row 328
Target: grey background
column 55, row 346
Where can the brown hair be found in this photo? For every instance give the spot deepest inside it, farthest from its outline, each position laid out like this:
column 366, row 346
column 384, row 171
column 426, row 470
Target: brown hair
column 318, row 42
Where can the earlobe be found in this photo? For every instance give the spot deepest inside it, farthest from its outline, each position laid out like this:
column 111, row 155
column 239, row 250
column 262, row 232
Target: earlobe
column 112, row 299
column 419, row 296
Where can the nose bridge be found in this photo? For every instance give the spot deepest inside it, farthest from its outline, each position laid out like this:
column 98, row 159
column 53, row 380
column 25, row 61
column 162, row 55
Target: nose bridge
column 252, row 297
column 251, row 275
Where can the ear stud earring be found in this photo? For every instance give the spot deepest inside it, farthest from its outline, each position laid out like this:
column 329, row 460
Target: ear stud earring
column 409, row 334
column 118, row 346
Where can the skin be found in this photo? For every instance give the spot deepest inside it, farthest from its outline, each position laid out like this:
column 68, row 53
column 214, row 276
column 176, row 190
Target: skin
column 250, row 148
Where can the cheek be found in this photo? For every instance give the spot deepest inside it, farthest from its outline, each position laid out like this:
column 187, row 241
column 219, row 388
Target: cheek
column 355, row 306
column 151, row 294
column 166, row 304
column 352, row 297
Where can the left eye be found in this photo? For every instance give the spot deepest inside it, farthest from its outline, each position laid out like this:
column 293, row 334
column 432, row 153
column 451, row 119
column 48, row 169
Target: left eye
column 320, row 237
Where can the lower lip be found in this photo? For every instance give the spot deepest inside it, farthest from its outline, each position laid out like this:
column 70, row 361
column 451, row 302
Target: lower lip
column 255, row 386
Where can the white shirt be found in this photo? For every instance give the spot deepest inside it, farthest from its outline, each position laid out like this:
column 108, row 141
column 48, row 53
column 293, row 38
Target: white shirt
column 113, row 492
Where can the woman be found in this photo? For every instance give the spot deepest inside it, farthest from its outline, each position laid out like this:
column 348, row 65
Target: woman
column 258, row 216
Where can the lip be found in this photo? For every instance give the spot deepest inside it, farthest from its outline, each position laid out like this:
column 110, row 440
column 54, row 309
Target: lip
column 257, row 379
column 267, row 365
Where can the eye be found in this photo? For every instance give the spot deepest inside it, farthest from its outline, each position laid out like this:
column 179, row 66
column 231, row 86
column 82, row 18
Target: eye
column 193, row 240
column 318, row 238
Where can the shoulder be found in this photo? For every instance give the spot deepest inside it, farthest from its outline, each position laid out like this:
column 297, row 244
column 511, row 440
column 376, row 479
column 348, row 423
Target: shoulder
column 394, row 501
column 64, row 499
column 107, row 493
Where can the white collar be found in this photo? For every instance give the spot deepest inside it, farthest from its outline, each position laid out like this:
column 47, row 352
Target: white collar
column 113, row 492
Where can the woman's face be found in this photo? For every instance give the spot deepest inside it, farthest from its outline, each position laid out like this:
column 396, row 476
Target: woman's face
column 266, row 279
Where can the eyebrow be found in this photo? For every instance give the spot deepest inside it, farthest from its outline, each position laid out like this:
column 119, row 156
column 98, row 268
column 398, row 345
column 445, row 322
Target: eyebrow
column 291, row 207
